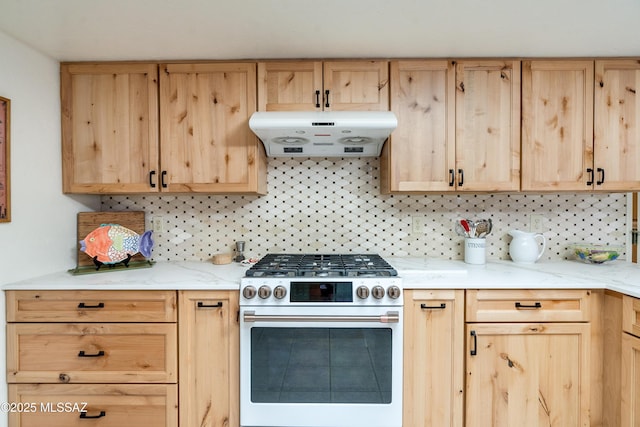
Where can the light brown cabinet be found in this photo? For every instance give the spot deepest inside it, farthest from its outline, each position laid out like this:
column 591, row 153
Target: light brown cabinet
column 358, row 85
column 127, row 130
column 534, row 369
column 206, row 143
column 109, row 127
column 433, row 358
column 458, row 127
column 630, row 363
column 68, row 346
column 209, row 358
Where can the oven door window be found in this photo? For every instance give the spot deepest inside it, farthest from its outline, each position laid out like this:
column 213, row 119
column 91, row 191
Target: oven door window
column 321, row 365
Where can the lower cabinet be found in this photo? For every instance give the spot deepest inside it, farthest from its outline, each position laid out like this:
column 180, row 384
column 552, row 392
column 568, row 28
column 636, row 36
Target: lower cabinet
column 209, row 364
column 433, row 361
column 529, row 361
column 630, row 363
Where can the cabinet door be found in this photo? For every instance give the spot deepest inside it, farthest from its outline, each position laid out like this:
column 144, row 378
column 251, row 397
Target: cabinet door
column 528, row 374
column 488, row 125
column 109, row 127
column 557, row 125
column 617, row 125
column 433, row 362
column 290, row 86
column 420, row 154
column 206, row 143
column 630, row 384
column 209, row 358
column 356, row 85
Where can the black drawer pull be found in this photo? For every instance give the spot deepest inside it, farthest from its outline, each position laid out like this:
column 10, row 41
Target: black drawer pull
column 84, row 415
column 474, row 350
column 98, row 354
column 433, row 307
column 151, row 183
column 524, row 306
column 317, row 99
column 83, row 305
column 203, row 305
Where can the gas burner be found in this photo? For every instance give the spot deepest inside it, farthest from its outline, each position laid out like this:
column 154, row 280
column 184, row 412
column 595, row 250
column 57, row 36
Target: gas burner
column 321, row 265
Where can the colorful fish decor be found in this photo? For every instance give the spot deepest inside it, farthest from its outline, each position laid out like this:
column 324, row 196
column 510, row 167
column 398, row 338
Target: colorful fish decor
column 113, row 243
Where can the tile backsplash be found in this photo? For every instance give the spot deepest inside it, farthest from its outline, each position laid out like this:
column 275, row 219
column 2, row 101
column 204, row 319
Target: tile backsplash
column 335, row 205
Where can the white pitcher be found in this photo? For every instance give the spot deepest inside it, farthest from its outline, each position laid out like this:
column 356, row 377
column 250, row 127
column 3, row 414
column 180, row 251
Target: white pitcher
column 524, row 248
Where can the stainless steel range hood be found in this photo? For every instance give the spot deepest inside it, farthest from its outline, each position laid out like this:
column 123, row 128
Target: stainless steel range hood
column 323, row 133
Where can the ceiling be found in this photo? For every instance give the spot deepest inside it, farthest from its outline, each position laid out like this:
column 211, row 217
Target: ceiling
column 77, row 30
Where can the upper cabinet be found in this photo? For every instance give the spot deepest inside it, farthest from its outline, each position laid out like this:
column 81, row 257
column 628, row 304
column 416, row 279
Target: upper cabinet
column 616, row 144
column 109, row 127
column 114, row 142
column 458, row 127
column 316, row 86
column 206, row 143
column 557, row 125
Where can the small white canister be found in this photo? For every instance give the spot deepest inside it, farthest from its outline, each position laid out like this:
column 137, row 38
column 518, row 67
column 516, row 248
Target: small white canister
column 474, row 250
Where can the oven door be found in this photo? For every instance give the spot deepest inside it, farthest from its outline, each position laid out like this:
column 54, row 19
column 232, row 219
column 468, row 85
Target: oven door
column 321, row 366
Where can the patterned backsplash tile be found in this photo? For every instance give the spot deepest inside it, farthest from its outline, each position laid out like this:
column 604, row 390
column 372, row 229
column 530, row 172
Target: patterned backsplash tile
column 335, row 205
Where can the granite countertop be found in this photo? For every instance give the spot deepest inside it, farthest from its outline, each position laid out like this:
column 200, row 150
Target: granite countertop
column 425, row 273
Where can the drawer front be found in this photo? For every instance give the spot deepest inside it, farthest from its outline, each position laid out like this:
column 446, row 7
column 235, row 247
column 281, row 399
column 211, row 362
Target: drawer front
column 91, row 353
column 522, row 305
column 631, row 315
column 91, row 306
column 56, row 405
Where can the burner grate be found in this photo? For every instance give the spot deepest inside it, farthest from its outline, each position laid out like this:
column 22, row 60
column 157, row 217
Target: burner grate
column 320, row 265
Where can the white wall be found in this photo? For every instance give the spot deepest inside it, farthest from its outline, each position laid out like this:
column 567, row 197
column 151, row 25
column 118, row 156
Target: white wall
column 41, row 237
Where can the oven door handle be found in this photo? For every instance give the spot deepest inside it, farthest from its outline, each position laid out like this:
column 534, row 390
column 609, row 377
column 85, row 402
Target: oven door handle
column 389, row 317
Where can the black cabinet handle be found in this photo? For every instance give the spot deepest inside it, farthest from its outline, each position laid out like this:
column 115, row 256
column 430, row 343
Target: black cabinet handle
column 535, row 306
column 461, row 173
column 84, row 415
column 433, row 307
column 452, row 177
column 98, row 354
column 98, row 305
column 317, row 99
column 601, row 175
column 474, row 350
column 326, row 99
column 162, row 177
column 590, row 172
column 151, row 183
column 203, row 305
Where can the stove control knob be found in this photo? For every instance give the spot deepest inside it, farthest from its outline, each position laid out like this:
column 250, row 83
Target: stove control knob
column 264, row 292
column 393, row 292
column 377, row 292
column 362, row 292
column 249, row 292
column 280, row 292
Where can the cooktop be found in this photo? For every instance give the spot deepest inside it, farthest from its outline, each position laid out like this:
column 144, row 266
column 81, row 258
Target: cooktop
column 320, row 265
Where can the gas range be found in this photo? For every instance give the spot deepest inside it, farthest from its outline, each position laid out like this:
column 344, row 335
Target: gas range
column 321, row 279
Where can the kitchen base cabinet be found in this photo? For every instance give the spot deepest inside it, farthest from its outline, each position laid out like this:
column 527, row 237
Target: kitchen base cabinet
column 534, row 357
column 209, row 359
column 433, row 362
column 115, row 350
column 630, row 383
column 84, row 405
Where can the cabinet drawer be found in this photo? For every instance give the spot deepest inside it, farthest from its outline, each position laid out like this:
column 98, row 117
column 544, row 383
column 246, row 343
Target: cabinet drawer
column 56, row 405
column 521, row 305
column 91, row 306
column 631, row 315
column 91, row 353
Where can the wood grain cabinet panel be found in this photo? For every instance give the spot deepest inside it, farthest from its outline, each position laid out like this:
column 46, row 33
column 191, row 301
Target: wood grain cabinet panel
column 109, row 127
column 433, row 358
column 359, row 85
column 557, row 125
column 209, row 358
column 630, row 381
column 91, row 306
column 97, row 405
column 617, row 125
column 206, row 143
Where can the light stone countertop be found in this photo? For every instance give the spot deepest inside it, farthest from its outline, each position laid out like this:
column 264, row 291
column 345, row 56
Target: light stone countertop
column 425, row 273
